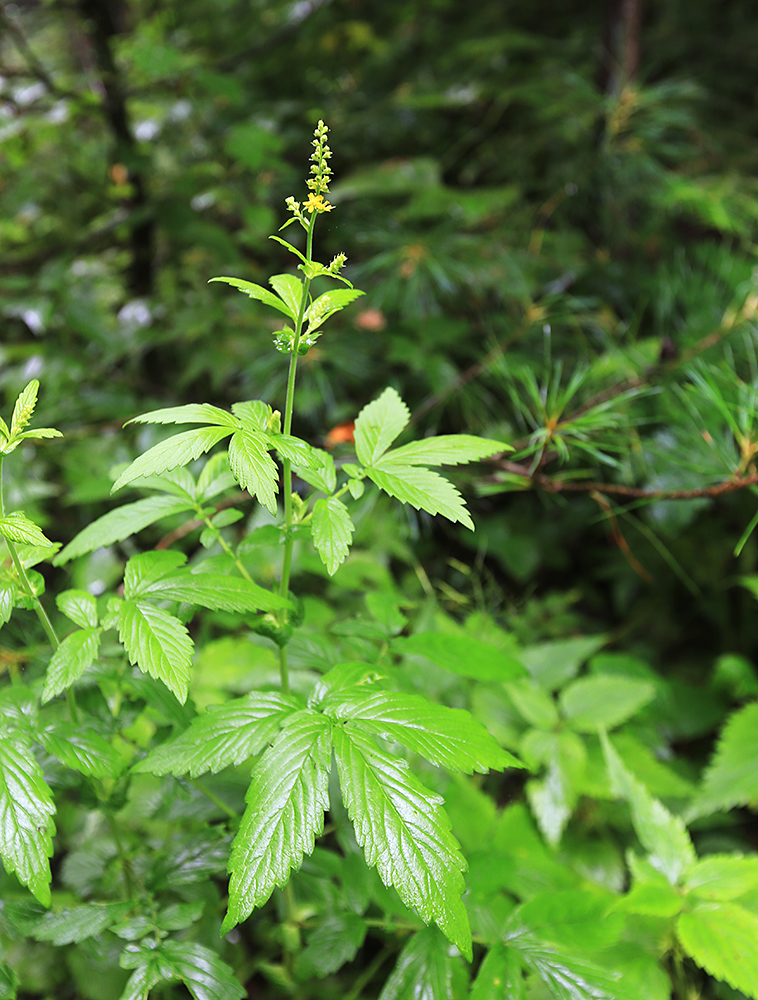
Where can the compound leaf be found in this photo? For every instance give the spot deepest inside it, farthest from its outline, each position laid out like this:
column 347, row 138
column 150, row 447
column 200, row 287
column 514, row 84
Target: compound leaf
column 172, row 453
column 731, row 778
column 82, row 749
column 78, row 923
column 74, row 655
column 201, row 971
column 26, row 816
column 332, row 531
column 190, row 413
column 253, row 467
column 422, row 489
column 158, row 643
column 222, row 735
column 721, row 937
column 448, row 737
column 404, row 833
column 17, row 527
column 378, row 424
column 424, row 970
column 216, row 591
column 286, row 801
column 448, row 449
column 723, row 876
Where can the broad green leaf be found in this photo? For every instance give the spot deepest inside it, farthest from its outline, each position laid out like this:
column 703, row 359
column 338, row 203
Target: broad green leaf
column 82, row 749
column 603, row 701
column 424, row 970
column 24, row 407
column 146, row 975
column 191, row 413
column 175, row 451
column 297, row 451
column 201, row 970
column 554, row 663
column 652, row 899
column 332, row 532
column 342, row 676
column 216, row 591
column 554, row 796
column 78, row 605
column 448, row 737
column 578, row 920
column 78, row 923
column 121, row 523
column 17, row 527
column 26, row 816
column 222, row 735
column 158, row 643
column 721, row 937
column 253, row 467
column 286, row 801
column 143, row 571
column 422, row 489
column 449, row 449
column 404, row 833
column 731, row 778
column 462, row 655
column 322, row 475
column 257, row 292
column 532, row 703
column 500, row 976
column 332, row 944
column 723, row 876
column 215, row 478
column 75, row 654
column 8, row 982
column 290, row 289
column 663, row 835
column 378, row 424
column 327, row 304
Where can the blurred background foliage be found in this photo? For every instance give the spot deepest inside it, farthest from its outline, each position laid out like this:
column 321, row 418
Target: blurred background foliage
column 551, row 207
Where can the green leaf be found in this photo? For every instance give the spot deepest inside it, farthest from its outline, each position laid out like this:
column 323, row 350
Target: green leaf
column 222, row 735
column 78, row 605
column 216, row 591
column 17, row 527
column 553, row 663
column 335, row 942
column 378, row 424
column 290, row 289
column 322, row 475
column 554, row 796
column 286, row 801
column 26, row 816
column 461, row 654
column 190, row 413
column 146, row 975
column 83, row 749
column 158, row 643
column 663, row 835
column 298, row 452
column 327, row 304
column 604, row 701
column 404, row 833
column 578, row 920
column 175, row 451
column 78, row 923
column 532, row 703
column 257, row 292
column 121, row 523
column 201, row 971
column 424, row 970
column 143, row 571
column 24, row 408
column 731, row 778
column 500, row 976
column 253, row 467
column 721, row 937
column 8, row 982
column 332, row 532
column 723, row 876
column 75, row 654
column 449, row 449
column 652, row 899
column 448, row 737
column 422, row 489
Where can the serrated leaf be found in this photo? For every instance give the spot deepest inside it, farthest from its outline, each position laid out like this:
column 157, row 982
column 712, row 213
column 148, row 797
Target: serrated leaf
column 723, row 876
column 172, row 453
column 332, row 531
column 721, row 937
column 143, row 571
column 290, row 289
column 145, row 976
column 604, row 701
column 75, row 654
column 26, row 817
column 332, row 944
column 578, row 920
column 158, row 643
column 121, row 523
column 532, row 703
column 24, row 407
column 327, row 304
column 554, row 796
column 223, row 735
column 257, row 292
column 448, row 737
column 422, row 489
column 190, row 413
column 404, row 833
column 500, row 976
column 462, row 654
column 254, row 415
column 322, row 475
column 253, row 467
column 286, row 800
column 424, row 970
column 216, row 591
column 297, row 451
column 17, row 527
column 78, row 605
column 78, row 923
column 215, row 478
column 378, row 424
column 201, row 971
column 82, row 749
column 448, row 449
column 663, row 835
column 731, row 778
column 8, row 982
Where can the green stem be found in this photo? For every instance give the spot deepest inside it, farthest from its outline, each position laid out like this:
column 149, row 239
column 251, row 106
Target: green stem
column 224, row 545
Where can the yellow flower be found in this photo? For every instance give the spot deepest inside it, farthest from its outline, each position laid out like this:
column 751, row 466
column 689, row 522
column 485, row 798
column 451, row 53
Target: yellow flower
column 316, row 203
